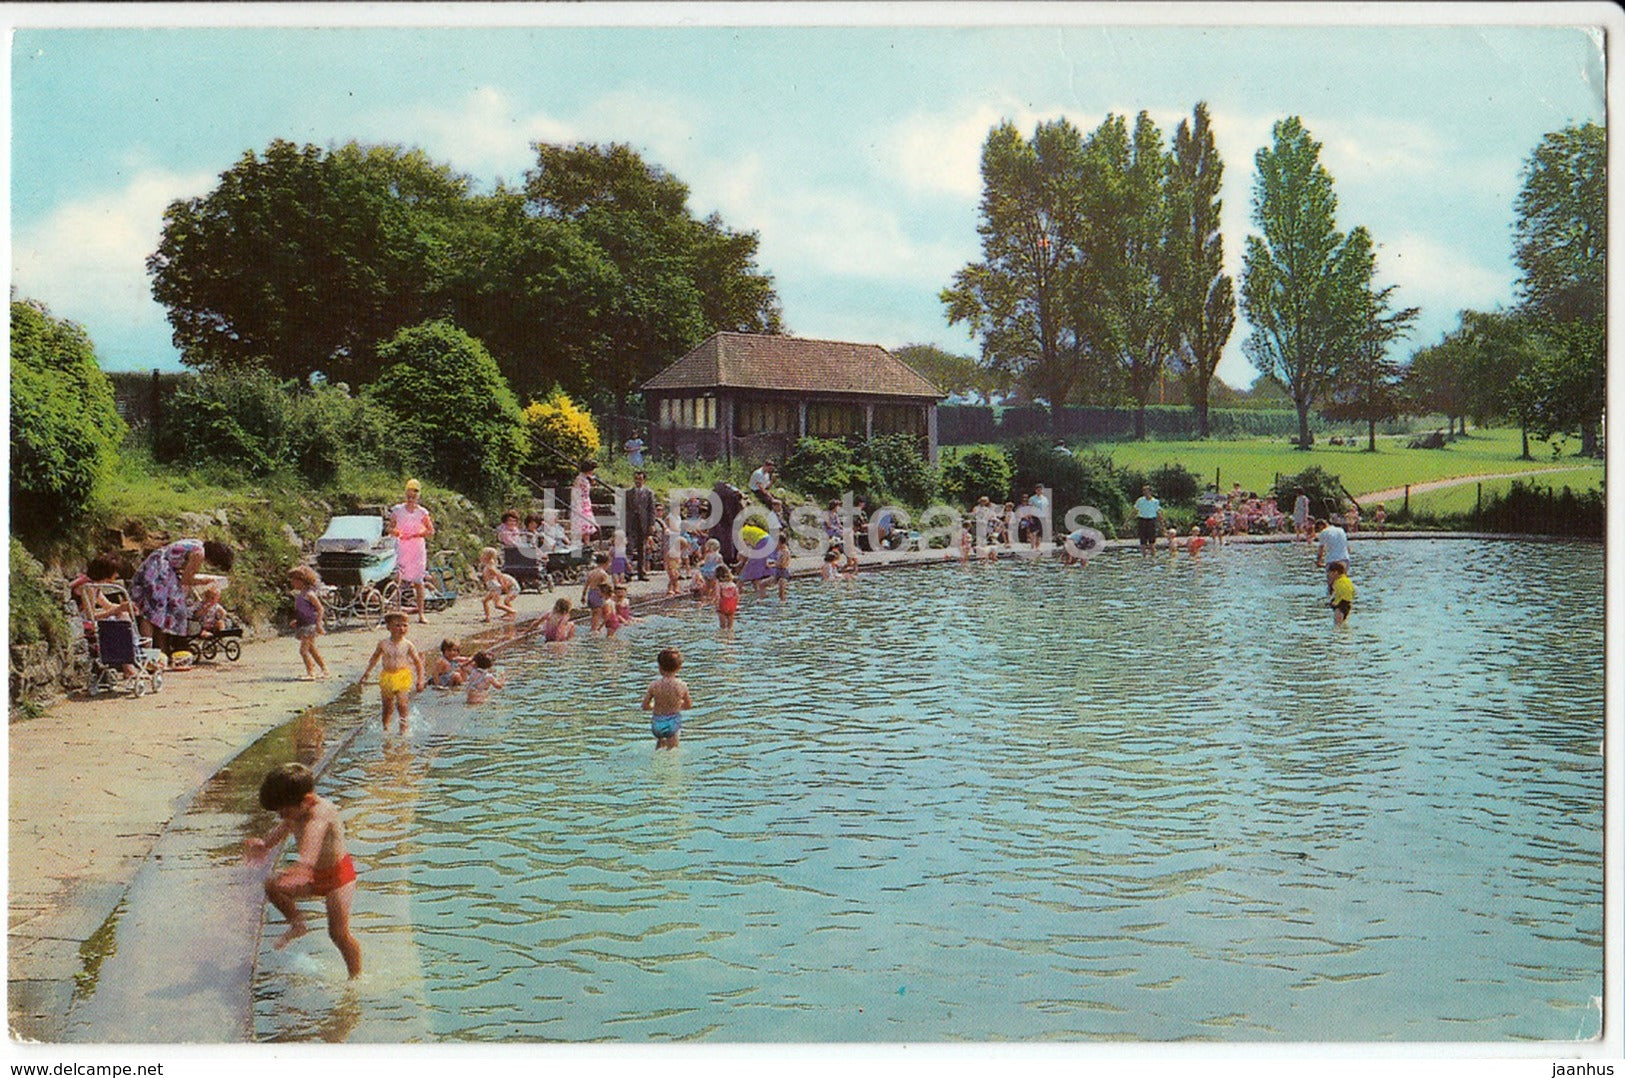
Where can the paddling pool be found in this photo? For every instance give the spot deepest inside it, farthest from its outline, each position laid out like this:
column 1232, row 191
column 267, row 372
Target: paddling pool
column 1145, row 800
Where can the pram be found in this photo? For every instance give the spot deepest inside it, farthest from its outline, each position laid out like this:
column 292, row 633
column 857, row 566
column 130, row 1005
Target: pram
column 117, row 646
column 206, row 645
column 567, row 567
column 528, row 566
column 356, row 560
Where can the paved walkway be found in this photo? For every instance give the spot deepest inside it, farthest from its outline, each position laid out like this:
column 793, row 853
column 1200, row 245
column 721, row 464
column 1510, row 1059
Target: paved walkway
column 1394, row 493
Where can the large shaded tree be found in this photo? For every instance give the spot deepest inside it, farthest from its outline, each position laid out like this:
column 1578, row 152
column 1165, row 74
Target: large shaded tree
column 1016, row 299
column 1304, row 283
column 1559, row 244
column 302, row 260
column 669, row 279
column 1201, row 295
column 1367, row 385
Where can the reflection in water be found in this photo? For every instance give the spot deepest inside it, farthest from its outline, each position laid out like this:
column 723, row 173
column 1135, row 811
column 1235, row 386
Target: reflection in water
column 1153, row 800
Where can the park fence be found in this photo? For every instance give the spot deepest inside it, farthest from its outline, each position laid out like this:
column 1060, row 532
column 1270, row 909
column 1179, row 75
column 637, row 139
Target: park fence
column 967, row 424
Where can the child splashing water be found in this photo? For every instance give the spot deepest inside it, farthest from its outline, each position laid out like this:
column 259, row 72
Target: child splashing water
column 402, row 671
column 556, row 624
column 324, row 870
column 482, row 679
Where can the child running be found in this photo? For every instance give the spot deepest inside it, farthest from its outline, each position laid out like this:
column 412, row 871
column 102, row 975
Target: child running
column 727, row 598
column 556, row 624
column 667, row 699
column 482, row 679
column 324, row 869
column 1342, row 600
column 500, row 588
column 308, row 615
column 402, row 671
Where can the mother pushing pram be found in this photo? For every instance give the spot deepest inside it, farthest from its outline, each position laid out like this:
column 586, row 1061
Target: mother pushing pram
column 162, row 586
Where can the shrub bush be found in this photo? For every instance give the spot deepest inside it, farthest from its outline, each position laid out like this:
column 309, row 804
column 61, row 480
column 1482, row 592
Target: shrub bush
column 238, row 418
column 974, row 474
column 1174, row 484
column 559, row 432
column 824, row 468
column 898, row 471
column 1074, row 480
column 36, row 611
column 328, row 430
column 65, row 430
column 452, row 405
column 1324, row 489
column 1532, row 509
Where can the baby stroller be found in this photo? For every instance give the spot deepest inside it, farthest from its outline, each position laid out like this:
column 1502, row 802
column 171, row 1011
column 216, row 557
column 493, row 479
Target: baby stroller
column 117, row 647
column 208, row 644
column 526, row 565
column 567, row 567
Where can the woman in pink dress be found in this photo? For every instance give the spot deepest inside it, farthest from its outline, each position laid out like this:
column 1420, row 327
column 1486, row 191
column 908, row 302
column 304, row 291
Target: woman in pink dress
column 411, row 525
column 582, row 525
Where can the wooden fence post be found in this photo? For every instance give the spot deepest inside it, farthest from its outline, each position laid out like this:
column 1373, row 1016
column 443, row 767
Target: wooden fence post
column 1407, row 508
column 157, row 408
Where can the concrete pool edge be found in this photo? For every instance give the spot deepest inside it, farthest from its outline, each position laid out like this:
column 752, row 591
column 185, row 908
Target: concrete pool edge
column 183, row 831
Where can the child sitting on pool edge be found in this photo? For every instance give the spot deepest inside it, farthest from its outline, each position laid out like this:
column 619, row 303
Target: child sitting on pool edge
column 667, row 699
column 324, row 869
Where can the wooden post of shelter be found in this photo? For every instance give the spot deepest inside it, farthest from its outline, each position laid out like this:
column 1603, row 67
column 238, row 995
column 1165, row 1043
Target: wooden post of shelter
column 157, row 408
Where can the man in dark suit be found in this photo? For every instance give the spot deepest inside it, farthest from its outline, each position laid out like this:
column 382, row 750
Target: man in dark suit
column 640, row 521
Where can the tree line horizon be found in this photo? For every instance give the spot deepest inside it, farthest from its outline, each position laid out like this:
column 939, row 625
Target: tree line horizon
column 1102, row 274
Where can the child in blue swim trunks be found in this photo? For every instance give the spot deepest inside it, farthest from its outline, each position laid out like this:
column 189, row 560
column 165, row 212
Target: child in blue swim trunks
column 667, row 698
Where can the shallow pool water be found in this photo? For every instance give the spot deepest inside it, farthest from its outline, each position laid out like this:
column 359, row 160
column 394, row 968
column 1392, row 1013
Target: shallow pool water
column 1144, row 800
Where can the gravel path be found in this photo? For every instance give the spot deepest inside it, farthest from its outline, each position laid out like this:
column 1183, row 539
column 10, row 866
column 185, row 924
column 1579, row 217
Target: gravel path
column 1455, row 481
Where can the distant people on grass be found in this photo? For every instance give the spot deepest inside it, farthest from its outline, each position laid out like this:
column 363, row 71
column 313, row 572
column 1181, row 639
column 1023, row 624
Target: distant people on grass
column 411, row 525
column 324, row 868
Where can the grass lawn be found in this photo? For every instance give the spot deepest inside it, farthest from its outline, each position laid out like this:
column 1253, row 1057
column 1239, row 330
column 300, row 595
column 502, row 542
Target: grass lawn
column 1463, row 498
column 1255, row 462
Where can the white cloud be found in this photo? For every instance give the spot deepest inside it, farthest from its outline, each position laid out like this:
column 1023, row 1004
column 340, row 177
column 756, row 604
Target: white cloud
column 485, row 134
column 87, row 258
column 1430, row 273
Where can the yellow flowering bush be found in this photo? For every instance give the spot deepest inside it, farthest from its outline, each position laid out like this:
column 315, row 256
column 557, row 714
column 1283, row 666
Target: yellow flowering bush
column 560, row 430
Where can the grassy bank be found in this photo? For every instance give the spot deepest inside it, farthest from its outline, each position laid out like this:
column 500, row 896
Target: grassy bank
column 1254, row 463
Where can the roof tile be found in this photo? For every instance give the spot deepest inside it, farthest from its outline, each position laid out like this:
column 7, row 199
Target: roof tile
column 793, row 364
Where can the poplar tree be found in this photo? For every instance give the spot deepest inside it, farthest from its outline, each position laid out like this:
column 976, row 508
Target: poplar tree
column 1202, row 295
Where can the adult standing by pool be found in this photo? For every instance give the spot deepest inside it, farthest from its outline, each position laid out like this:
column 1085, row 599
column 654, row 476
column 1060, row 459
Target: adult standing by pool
column 1148, row 518
column 1300, row 516
column 411, row 526
column 161, row 587
column 582, row 525
column 1037, row 525
column 1334, row 548
column 640, row 522
column 732, row 503
column 761, row 482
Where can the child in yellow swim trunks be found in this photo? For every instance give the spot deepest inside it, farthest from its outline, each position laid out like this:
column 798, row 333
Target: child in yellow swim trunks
column 402, row 673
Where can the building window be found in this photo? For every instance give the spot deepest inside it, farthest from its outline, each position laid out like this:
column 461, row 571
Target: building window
column 765, row 417
column 688, row 413
column 834, row 420
column 899, row 419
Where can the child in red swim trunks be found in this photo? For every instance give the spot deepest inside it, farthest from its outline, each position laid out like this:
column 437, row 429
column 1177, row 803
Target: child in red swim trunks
column 324, row 869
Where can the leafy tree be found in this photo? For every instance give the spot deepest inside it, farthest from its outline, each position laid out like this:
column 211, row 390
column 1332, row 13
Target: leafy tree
column 1017, row 299
column 898, row 469
column 952, row 373
column 1559, row 244
column 1435, row 380
column 449, row 400
column 1202, row 295
column 671, row 280
column 1304, row 283
column 1367, row 385
column 65, row 428
column 1503, row 357
column 1125, row 256
column 301, row 260
column 824, row 468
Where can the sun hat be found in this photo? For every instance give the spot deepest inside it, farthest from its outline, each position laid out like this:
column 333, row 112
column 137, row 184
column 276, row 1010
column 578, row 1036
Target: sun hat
column 413, row 484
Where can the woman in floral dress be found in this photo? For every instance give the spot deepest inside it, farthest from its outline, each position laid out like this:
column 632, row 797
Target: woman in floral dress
column 162, row 586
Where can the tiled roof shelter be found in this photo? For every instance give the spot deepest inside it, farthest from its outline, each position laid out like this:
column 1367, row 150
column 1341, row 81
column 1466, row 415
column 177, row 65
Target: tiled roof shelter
column 753, row 395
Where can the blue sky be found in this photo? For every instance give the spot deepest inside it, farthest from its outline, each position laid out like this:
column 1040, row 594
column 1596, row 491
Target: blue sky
column 852, row 150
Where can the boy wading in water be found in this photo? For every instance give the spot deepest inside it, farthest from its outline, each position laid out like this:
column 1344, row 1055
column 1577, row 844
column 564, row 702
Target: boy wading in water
column 403, row 669
column 1342, row 600
column 667, row 698
column 324, row 870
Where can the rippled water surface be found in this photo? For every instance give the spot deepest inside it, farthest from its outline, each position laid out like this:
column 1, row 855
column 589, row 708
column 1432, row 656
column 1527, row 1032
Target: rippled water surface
column 1151, row 801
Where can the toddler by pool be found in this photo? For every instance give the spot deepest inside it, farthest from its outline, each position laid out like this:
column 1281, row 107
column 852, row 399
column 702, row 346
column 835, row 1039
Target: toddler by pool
column 402, row 669
column 666, row 699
